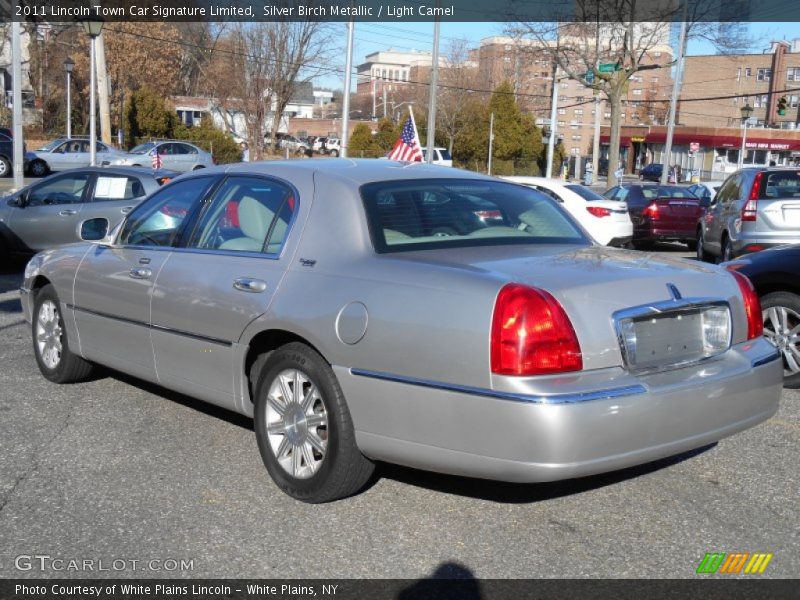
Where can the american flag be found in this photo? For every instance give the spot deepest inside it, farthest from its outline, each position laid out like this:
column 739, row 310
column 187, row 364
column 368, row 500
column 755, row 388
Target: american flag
column 156, row 159
column 407, row 146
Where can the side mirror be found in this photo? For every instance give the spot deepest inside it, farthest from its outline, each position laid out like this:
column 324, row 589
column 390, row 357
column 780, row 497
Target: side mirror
column 93, row 230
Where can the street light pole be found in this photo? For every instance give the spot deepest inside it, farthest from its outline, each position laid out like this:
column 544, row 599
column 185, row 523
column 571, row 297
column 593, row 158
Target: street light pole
column 69, row 65
column 345, row 136
column 432, row 99
column 553, row 116
column 747, row 110
column 93, row 26
column 16, row 76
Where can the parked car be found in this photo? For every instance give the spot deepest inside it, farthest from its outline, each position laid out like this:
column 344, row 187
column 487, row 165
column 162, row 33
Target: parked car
column 319, row 144
column 651, row 172
column 706, row 191
column 6, row 154
column 755, row 208
column 607, row 221
column 67, row 153
column 174, row 155
column 775, row 273
column 288, row 142
column 441, row 156
column 520, row 351
column 660, row 213
column 47, row 213
column 332, row 147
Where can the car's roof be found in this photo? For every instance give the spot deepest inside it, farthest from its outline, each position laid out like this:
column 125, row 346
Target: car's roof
column 355, row 171
column 544, row 181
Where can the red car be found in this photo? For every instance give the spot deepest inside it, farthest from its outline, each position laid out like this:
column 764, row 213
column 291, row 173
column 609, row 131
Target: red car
column 660, row 213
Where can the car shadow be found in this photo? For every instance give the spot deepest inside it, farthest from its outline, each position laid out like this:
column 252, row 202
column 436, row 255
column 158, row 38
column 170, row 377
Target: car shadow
column 526, row 493
column 11, row 306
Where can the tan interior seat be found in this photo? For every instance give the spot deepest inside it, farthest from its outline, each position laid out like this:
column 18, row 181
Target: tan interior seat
column 254, row 221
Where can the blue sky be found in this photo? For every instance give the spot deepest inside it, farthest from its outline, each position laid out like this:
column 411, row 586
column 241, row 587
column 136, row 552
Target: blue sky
column 370, row 37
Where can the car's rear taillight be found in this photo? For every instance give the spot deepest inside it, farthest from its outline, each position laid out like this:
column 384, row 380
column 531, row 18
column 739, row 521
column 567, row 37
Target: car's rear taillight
column 750, row 209
column 651, row 211
column 599, row 211
column 752, row 306
column 531, row 334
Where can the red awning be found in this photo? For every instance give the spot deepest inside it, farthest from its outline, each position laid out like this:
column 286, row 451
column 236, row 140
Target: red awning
column 754, row 142
column 624, row 140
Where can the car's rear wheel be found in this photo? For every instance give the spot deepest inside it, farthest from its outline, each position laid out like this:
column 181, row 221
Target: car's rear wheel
column 50, row 345
column 39, row 168
column 727, row 249
column 643, row 244
column 692, row 244
column 781, row 313
column 333, row 153
column 303, row 426
column 702, row 255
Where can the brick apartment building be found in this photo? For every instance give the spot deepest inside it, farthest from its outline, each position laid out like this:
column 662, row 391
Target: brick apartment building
column 386, row 77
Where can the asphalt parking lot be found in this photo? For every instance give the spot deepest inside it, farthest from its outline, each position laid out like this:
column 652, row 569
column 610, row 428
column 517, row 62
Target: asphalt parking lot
column 117, row 469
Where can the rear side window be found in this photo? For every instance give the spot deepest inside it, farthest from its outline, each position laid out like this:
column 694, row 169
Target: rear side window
column 782, row 184
column 451, row 213
column 584, row 192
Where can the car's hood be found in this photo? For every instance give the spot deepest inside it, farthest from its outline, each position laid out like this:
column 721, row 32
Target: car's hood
column 594, row 282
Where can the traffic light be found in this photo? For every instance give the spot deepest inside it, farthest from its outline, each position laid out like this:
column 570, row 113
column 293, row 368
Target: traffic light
column 783, row 104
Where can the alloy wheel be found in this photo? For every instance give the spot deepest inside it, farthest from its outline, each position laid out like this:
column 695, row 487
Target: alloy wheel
column 297, row 423
column 782, row 330
column 49, row 334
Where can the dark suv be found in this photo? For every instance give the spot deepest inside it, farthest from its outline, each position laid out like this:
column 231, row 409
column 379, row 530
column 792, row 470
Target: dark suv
column 6, row 154
column 651, row 172
column 755, row 208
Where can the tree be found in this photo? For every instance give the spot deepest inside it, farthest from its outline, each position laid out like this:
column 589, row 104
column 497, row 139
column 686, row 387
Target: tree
column 458, row 78
column 623, row 35
column 362, row 143
column 147, row 116
column 211, row 139
column 517, row 140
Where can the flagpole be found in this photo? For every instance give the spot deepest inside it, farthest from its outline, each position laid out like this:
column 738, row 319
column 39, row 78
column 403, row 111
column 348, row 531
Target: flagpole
column 414, row 121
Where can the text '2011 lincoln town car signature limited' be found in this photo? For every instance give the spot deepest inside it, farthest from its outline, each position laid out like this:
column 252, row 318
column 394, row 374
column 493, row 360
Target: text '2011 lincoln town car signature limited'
column 363, row 310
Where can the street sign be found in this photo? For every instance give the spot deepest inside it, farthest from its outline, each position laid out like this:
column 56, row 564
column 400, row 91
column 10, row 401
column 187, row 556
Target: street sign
column 589, row 77
column 694, row 147
column 608, row 67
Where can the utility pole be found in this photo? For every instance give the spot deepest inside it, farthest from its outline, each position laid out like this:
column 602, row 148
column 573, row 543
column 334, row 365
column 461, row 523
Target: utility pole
column 103, row 91
column 432, row 98
column 551, row 143
column 16, row 98
column 347, row 84
column 491, row 143
column 598, row 105
column 673, row 101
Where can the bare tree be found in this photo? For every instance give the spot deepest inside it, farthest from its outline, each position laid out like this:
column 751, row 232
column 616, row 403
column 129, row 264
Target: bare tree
column 613, row 33
column 457, row 80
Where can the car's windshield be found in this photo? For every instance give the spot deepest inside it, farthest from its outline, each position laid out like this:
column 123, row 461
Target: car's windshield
column 584, row 192
column 782, row 184
column 667, row 191
column 50, row 146
column 143, row 148
column 447, row 213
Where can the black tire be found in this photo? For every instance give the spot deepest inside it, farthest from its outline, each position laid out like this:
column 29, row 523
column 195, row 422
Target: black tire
column 702, row 255
column 69, row 367
column 342, row 470
column 39, row 168
column 333, row 153
column 692, row 244
column 727, row 249
column 791, row 304
column 643, row 244
column 5, row 167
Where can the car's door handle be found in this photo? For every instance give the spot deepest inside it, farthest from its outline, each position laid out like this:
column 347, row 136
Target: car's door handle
column 68, row 212
column 247, row 284
column 126, row 209
column 140, row 273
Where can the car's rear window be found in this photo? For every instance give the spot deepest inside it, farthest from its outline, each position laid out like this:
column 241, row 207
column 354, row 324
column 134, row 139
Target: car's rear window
column 782, row 184
column 453, row 213
column 667, row 191
column 584, row 192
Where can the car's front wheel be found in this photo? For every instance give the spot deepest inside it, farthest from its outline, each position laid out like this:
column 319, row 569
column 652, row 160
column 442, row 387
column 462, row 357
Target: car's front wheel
column 781, row 313
column 727, row 250
column 303, row 426
column 50, row 345
column 333, row 153
column 5, row 167
column 39, row 168
column 702, row 255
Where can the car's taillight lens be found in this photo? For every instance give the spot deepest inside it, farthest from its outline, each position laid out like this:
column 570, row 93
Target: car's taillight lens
column 531, row 334
column 752, row 306
column 750, row 209
column 599, row 211
column 651, row 211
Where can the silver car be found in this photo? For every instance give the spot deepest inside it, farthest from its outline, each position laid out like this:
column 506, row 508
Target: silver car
column 315, row 297
column 755, row 208
column 67, row 153
column 176, row 156
column 47, row 213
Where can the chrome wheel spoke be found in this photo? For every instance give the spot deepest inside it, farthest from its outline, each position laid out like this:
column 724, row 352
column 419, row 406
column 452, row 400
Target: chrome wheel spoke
column 276, row 428
column 772, row 313
column 308, row 399
column 317, row 420
column 792, row 355
column 316, row 442
column 784, row 315
column 288, row 396
column 308, row 456
column 297, row 459
column 276, row 405
column 283, row 448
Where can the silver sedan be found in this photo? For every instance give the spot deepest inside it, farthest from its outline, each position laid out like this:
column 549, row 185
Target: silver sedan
column 363, row 311
column 173, row 155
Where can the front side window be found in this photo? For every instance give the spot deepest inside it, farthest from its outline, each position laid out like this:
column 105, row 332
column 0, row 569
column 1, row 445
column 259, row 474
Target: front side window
column 247, row 214
column 452, row 213
column 143, row 148
column 64, row 190
column 158, row 221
